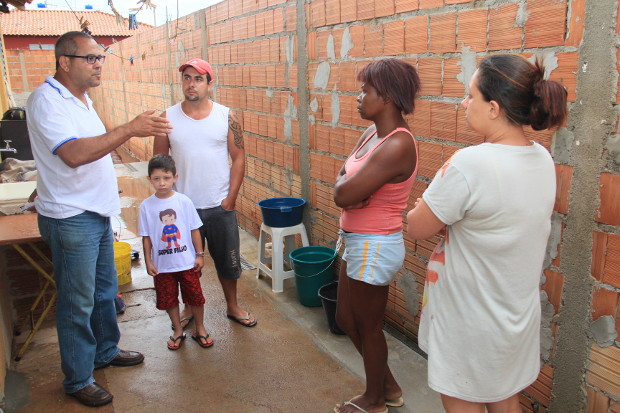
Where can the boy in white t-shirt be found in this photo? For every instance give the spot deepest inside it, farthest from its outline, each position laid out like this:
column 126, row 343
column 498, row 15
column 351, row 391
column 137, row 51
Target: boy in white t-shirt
column 170, row 229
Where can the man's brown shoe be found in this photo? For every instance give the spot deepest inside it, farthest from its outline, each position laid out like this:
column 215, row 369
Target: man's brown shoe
column 127, row 358
column 93, row 395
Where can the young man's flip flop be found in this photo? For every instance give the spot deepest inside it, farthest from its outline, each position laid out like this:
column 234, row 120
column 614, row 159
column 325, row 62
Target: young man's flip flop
column 185, row 322
column 244, row 321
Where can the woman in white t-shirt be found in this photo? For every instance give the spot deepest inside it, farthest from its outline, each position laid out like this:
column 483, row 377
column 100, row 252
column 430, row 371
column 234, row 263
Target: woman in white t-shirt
column 480, row 321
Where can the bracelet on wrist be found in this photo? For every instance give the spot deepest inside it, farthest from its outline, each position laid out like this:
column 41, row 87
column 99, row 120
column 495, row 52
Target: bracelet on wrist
column 200, row 254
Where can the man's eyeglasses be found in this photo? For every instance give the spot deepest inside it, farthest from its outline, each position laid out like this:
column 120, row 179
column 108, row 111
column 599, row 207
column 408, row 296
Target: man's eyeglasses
column 90, row 58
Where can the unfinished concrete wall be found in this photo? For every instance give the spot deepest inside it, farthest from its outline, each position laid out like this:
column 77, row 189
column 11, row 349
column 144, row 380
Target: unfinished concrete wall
column 592, row 266
column 291, row 66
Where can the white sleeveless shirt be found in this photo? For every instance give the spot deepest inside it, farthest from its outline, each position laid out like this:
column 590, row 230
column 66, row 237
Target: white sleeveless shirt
column 200, row 151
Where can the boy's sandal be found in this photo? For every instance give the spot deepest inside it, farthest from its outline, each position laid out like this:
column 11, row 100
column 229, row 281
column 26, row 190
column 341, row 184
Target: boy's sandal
column 199, row 338
column 177, row 342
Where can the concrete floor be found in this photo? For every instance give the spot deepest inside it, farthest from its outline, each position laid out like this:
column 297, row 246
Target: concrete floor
column 289, row 362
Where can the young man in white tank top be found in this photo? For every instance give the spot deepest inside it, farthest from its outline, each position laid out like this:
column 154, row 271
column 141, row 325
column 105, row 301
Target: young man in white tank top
column 205, row 134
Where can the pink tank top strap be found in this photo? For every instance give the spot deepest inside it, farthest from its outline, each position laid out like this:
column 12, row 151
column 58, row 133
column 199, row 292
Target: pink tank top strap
column 364, row 143
column 399, row 130
column 392, row 133
column 382, row 140
column 415, row 142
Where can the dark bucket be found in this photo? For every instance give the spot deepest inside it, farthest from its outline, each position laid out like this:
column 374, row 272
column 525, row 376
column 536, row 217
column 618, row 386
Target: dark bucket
column 282, row 212
column 313, row 269
column 329, row 298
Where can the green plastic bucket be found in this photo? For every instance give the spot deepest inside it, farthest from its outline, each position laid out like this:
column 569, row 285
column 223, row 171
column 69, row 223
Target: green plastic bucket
column 313, row 269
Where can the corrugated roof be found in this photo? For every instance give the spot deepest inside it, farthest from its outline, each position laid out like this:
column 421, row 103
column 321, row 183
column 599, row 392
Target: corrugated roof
column 57, row 22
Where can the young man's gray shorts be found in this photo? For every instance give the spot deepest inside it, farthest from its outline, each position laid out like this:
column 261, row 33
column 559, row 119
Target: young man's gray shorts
column 220, row 229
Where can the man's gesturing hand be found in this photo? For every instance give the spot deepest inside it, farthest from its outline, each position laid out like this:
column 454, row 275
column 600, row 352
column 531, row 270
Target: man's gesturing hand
column 147, row 124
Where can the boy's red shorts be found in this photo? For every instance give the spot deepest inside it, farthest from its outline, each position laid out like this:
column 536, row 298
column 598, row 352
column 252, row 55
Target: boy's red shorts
column 167, row 288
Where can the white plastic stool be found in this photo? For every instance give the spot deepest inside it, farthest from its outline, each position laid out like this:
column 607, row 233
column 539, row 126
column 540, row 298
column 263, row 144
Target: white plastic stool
column 283, row 242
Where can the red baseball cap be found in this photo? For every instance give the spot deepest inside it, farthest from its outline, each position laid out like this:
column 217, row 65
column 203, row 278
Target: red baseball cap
column 200, row 65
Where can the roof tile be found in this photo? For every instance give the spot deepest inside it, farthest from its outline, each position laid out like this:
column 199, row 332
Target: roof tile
column 58, row 22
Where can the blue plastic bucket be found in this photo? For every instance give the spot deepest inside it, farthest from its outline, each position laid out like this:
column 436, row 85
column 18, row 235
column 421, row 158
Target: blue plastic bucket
column 313, row 269
column 282, row 212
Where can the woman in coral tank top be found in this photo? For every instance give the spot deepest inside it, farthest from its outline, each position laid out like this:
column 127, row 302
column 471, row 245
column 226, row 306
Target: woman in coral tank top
column 372, row 189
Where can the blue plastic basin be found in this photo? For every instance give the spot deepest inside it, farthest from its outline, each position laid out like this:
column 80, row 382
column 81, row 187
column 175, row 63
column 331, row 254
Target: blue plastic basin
column 282, row 212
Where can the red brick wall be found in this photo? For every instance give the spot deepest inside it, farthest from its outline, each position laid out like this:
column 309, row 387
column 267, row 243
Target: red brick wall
column 24, row 42
column 253, row 45
column 433, row 36
column 252, row 76
column 27, row 69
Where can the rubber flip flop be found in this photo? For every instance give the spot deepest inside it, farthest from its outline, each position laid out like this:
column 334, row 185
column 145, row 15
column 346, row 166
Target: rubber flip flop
column 199, row 338
column 241, row 320
column 176, row 346
column 398, row 402
column 350, row 403
column 188, row 319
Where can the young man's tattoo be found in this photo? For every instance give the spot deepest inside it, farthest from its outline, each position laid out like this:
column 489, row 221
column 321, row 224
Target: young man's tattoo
column 235, row 127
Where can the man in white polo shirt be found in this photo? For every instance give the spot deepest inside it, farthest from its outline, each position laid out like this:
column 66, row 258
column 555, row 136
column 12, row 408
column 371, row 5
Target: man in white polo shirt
column 77, row 194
